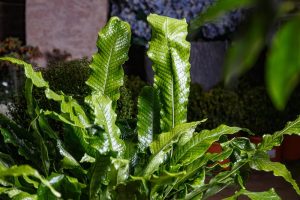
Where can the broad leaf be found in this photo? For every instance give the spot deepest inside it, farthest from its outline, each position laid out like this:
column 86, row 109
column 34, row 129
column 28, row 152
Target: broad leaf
column 268, row 195
column 283, row 64
column 261, row 161
column 148, row 116
column 169, row 52
column 107, row 73
column 199, row 144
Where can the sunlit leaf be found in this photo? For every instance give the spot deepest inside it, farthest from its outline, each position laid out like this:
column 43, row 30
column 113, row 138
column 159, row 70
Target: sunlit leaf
column 107, row 73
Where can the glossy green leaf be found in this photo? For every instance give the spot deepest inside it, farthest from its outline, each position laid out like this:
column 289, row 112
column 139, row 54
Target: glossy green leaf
column 283, row 64
column 199, row 144
column 163, row 144
column 36, row 77
column 169, row 52
column 106, row 117
column 69, row 188
column 267, row 195
column 218, row 9
column 148, row 121
column 107, row 73
column 261, row 161
column 25, row 170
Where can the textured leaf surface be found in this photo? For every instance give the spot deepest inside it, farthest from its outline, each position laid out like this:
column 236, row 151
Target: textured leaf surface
column 261, row 161
column 169, row 52
column 148, row 122
column 113, row 45
column 106, row 117
column 199, row 144
column 163, row 144
column 267, row 195
column 25, row 170
column 283, row 65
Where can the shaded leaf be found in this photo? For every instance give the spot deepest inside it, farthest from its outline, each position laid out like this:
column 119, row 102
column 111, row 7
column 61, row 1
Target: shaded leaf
column 69, row 187
column 148, row 121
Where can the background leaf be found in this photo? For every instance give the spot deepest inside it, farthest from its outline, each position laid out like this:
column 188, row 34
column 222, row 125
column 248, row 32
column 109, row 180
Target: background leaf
column 283, row 64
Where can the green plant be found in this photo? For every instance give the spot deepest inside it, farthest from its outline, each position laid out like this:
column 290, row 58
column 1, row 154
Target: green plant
column 93, row 158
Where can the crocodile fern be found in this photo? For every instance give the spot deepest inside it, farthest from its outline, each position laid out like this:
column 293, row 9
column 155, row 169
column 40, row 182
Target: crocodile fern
column 94, row 156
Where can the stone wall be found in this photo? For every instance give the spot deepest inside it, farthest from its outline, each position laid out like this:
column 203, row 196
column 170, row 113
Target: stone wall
column 68, row 25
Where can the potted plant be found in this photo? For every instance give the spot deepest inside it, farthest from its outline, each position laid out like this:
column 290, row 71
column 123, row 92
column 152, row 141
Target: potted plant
column 92, row 157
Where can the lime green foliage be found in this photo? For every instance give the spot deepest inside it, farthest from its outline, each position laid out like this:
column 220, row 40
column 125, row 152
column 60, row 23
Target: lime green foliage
column 96, row 156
